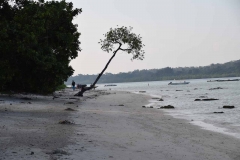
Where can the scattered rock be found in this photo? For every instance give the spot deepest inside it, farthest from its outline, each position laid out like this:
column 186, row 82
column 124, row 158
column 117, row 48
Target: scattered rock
column 179, row 90
column 143, row 106
column 155, row 98
column 160, row 99
column 65, row 122
column 55, row 97
column 206, row 99
column 10, row 103
column 69, row 103
column 215, row 88
column 26, row 98
column 32, row 153
column 69, row 109
column 29, row 103
column 74, row 98
column 228, row 107
column 167, row 107
column 58, row 151
column 142, row 91
column 120, row 105
column 151, row 107
column 209, row 99
column 218, row 112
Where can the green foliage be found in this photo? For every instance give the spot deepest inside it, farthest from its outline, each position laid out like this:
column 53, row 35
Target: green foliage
column 38, row 40
column 60, row 87
column 229, row 69
column 123, row 37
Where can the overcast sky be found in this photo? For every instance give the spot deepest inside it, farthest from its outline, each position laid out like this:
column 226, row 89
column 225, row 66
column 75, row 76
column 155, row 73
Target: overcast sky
column 176, row 33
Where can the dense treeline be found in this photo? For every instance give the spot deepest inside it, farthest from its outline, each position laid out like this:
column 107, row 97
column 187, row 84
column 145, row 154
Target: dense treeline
column 229, row 69
column 37, row 42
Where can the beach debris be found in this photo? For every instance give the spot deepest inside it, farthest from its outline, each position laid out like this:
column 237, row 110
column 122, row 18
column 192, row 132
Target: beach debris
column 142, row 91
column 65, row 122
column 218, row 112
column 69, row 103
column 74, row 98
column 167, row 107
column 55, row 97
column 69, row 109
column 206, row 99
column 58, row 151
column 228, row 107
column 215, row 88
column 26, row 98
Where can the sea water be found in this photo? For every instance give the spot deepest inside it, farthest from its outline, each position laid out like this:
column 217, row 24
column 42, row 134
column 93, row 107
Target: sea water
column 200, row 113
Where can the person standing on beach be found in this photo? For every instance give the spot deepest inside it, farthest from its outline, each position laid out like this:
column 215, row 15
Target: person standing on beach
column 73, row 85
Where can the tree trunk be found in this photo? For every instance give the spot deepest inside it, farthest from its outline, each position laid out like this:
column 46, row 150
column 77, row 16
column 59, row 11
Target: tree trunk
column 80, row 93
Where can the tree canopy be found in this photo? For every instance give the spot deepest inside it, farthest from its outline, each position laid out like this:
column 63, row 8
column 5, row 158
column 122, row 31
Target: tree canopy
column 38, row 41
column 119, row 39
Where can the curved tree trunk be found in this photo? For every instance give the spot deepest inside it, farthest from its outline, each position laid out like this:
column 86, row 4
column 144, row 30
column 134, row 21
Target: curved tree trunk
column 80, row 93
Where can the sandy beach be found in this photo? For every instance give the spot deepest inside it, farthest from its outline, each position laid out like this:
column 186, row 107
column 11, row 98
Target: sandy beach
column 103, row 125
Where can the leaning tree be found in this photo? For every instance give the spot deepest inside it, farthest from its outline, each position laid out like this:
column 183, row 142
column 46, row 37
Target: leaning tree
column 119, row 39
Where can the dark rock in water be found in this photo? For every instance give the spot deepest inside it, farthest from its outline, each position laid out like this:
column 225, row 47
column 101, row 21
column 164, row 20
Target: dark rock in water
column 218, row 112
column 215, row 88
column 155, row 98
column 160, row 99
column 209, row 99
column 151, row 107
column 179, row 90
column 206, row 99
column 143, row 106
column 167, row 107
column 142, row 91
column 228, row 107
column 69, row 109
column 65, row 122
column 26, row 98
column 69, row 103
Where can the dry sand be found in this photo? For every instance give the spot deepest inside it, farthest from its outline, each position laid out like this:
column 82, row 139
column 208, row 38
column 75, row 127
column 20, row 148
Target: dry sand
column 107, row 125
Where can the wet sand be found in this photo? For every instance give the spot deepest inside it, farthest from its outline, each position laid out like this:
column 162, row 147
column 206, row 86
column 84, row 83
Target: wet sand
column 107, row 125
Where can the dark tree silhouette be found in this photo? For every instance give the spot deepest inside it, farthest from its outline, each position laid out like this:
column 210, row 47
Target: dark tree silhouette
column 119, row 39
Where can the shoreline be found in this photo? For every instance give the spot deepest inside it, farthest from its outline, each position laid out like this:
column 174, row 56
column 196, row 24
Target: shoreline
column 107, row 125
column 201, row 124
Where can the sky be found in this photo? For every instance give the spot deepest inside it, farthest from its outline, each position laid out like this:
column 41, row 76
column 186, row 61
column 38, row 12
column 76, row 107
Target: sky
column 176, row 33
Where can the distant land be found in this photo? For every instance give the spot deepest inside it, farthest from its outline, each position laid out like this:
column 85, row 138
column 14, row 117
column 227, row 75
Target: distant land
column 229, row 69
